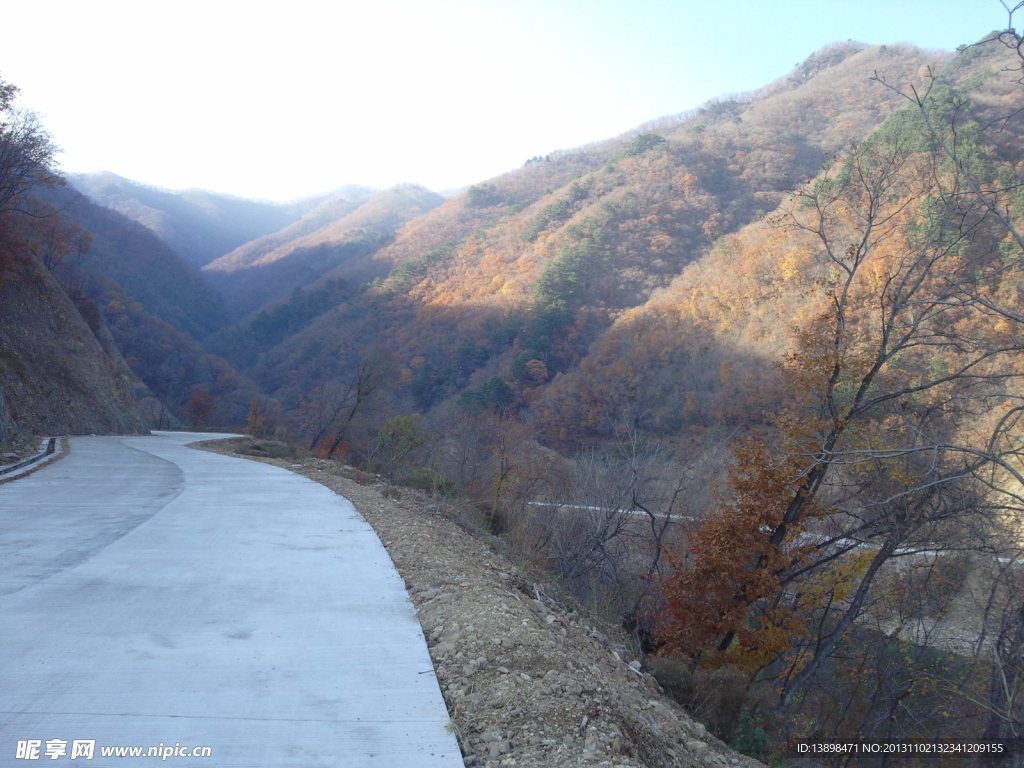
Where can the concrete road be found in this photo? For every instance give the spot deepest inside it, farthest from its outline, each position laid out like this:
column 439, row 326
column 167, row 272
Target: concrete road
column 152, row 595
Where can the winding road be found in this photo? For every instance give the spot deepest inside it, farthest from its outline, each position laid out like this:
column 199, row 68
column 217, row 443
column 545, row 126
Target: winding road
column 153, row 595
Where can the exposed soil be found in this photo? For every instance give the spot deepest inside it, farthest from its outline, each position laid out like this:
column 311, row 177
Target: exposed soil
column 530, row 680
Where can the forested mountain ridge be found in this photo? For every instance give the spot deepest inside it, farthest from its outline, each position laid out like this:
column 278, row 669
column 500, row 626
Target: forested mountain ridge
column 325, row 211
column 340, row 230
column 124, row 253
column 659, row 196
column 200, row 226
column 728, row 319
column 157, row 307
column 89, row 268
column 535, row 264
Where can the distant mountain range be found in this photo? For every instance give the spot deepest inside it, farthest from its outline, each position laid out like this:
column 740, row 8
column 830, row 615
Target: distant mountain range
column 539, row 266
column 340, row 228
column 200, row 226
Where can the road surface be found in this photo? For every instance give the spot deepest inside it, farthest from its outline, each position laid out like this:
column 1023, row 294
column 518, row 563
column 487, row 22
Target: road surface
column 152, row 595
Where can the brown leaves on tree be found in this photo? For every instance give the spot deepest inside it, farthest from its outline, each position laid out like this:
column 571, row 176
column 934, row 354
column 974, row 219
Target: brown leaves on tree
column 732, row 562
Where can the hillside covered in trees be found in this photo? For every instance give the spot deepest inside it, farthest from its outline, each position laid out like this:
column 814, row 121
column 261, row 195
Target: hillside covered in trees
column 60, row 369
column 200, row 226
column 748, row 376
column 517, row 278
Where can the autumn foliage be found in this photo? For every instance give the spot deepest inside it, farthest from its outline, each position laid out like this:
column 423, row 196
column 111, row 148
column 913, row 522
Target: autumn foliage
column 732, row 563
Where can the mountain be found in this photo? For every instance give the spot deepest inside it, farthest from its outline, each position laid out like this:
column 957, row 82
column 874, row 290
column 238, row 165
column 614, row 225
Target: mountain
column 199, row 225
column 158, row 309
column 520, row 276
column 340, row 230
column 785, row 326
column 146, row 308
column 703, row 351
column 537, row 264
column 127, row 254
column 60, row 372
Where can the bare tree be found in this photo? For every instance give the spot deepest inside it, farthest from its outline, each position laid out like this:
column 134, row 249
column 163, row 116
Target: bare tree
column 332, row 405
column 608, row 530
column 950, row 132
column 26, row 153
column 909, row 372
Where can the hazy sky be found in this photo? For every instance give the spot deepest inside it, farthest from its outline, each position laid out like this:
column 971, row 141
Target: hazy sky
column 284, row 99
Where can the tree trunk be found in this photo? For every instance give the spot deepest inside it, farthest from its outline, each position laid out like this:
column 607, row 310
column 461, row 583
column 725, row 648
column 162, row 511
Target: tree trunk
column 824, row 651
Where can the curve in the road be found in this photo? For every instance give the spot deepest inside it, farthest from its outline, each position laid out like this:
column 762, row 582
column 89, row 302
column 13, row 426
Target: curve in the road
column 157, row 595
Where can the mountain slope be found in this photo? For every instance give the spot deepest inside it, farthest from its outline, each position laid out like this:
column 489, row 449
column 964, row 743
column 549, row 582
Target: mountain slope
column 337, row 232
column 59, row 373
column 536, row 264
column 154, row 307
column 703, row 350
column 199, row 225
column 128, row 254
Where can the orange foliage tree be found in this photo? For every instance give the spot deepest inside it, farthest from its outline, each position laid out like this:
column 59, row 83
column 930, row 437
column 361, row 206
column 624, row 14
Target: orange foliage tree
column 736, row 564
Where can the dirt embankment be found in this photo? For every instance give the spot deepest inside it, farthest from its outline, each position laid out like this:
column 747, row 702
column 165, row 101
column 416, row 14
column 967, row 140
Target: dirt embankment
column 529, row 681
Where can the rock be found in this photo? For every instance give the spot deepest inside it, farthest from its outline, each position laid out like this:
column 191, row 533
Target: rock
column 443, row 649
column 498, row 746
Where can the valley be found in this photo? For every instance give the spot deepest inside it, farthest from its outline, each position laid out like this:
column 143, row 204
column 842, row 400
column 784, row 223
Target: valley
column 788, row 321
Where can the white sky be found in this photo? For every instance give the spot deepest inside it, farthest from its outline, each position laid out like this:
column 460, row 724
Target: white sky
column 284, row 99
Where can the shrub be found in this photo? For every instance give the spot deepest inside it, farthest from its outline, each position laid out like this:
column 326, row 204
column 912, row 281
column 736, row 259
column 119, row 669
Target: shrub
column 750, row 738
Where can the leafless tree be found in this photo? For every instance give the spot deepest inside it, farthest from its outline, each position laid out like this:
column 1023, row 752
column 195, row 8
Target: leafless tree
column 608, row 529
column 26, row 153
column 330, row 408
